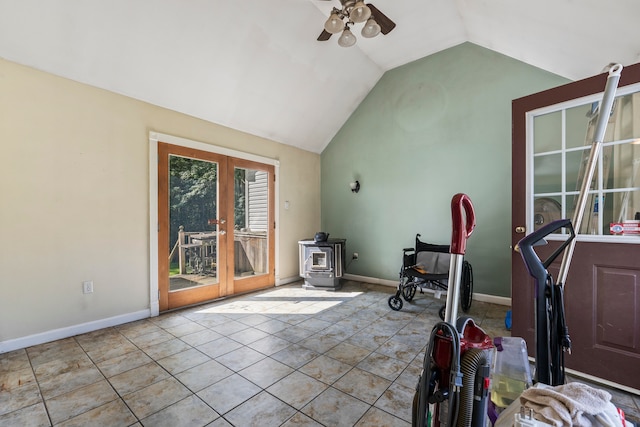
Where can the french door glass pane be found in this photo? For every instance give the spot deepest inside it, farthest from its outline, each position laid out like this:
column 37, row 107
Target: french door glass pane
column 577, row 122
column 625, row 118
column 193, row 189
column 546, row 210
column 575, row 163
column 625, row 166
column 251, row 207
column 548, row 173
column 614, row 193
column 590, row 218
column 548, row 132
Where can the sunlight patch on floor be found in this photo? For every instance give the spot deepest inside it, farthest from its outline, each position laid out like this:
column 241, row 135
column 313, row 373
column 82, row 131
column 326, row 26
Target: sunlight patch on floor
column 282, row 301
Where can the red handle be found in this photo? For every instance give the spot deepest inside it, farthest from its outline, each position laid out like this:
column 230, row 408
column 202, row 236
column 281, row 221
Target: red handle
column 462, row 227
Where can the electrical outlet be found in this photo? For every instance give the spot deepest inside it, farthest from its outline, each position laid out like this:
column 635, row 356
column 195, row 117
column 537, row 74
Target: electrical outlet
column 355, row 255
column 87, row 287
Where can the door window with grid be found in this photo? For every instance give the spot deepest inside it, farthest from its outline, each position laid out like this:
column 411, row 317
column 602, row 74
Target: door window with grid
column 559, row 143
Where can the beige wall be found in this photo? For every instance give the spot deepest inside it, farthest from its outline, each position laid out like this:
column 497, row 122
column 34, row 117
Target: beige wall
column 74, row 187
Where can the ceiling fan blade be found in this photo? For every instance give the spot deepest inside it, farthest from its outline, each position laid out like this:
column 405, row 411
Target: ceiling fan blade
column 324, row 36
column 386, row 24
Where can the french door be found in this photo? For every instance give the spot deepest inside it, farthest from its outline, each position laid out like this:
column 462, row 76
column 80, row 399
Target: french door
column 602, row 292
column 215, row 226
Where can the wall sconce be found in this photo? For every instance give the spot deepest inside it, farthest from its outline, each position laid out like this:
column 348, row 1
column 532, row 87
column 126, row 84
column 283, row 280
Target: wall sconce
column 355, row 186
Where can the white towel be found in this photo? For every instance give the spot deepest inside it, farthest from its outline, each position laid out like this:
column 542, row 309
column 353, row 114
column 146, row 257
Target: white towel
column 573, row 404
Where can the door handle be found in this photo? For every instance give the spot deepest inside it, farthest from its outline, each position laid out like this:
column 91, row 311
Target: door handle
column 521, row 229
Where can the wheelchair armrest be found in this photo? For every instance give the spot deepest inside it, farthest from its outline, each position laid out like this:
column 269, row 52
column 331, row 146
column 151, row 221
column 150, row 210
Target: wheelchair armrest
column 408, row 249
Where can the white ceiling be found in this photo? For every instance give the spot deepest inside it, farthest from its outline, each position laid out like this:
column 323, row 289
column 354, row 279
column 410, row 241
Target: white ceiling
column 255, row 65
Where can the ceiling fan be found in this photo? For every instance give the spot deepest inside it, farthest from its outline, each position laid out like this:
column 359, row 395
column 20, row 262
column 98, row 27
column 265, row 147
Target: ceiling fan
column 355, row 11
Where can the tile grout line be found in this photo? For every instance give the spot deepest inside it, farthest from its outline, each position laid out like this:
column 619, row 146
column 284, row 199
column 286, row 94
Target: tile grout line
column 35, row 377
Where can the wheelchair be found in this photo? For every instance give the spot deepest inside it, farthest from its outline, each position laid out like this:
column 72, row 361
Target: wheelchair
column 426, row 266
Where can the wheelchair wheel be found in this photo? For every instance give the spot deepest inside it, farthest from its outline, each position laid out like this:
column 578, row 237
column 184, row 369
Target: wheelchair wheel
column 408, row 292
column 395, row 302
column 442, row 312
column 466, row 296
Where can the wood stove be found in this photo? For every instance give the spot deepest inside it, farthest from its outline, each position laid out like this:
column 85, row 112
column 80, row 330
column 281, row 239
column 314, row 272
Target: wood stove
column 322, row 263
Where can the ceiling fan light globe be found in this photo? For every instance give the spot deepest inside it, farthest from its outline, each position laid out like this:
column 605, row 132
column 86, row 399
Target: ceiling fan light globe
column 370, row 29
column 347, row 39
column 360, row 12
column 334, row 24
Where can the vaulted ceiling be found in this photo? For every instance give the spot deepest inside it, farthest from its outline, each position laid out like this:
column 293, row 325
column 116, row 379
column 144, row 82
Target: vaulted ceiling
column 256, row 66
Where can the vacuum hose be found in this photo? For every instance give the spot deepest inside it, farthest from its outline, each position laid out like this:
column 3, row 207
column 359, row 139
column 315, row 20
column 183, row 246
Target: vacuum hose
column 472, row 362
column 427, row 391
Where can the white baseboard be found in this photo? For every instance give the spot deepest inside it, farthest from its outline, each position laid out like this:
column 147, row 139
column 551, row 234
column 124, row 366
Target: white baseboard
column 70, row 331
column 493, row 299
column 373, row 280
column 287, row 280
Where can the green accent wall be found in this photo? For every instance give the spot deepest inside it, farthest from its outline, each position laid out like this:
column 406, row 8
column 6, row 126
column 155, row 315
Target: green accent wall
column 430, row 129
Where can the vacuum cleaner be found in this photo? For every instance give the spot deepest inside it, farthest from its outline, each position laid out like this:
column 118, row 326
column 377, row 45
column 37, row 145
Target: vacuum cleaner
column 453, row 387
column 552, row 335
column 551, row 332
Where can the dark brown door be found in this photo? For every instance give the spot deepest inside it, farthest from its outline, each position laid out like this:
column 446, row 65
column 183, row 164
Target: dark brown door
column 602, row 291
column 216, row 226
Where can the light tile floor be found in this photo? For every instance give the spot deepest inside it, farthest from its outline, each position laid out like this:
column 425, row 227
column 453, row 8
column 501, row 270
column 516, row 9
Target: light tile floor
column 281, row 357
